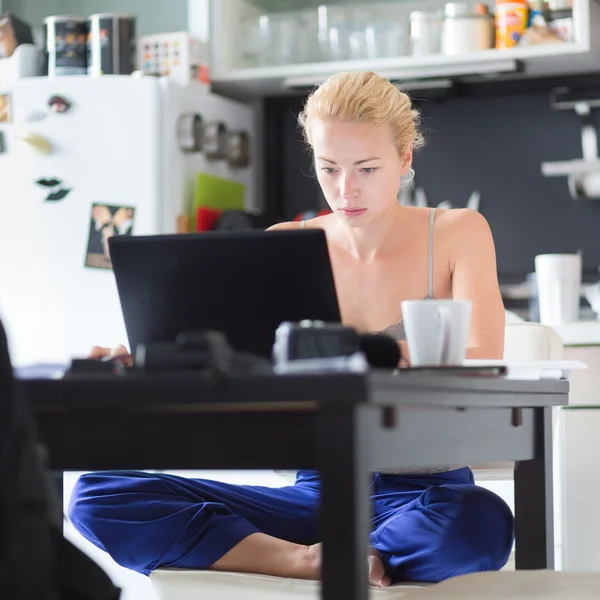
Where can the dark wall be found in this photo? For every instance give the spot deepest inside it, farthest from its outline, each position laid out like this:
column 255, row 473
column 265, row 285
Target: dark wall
column 494, row 143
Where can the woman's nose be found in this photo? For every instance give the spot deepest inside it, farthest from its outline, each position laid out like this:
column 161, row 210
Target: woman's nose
column 348, row 186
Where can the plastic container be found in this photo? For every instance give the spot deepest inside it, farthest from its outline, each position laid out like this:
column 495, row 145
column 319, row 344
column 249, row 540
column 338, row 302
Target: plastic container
column 511, row 21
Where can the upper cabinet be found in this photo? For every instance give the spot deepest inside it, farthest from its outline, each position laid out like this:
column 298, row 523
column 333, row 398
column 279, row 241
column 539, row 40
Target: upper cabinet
column 268, row 47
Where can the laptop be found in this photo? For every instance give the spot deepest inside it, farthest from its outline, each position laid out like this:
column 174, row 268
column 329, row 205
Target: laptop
column 242, row 283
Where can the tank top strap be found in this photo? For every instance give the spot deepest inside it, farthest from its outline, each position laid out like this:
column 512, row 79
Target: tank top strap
column 430, row 255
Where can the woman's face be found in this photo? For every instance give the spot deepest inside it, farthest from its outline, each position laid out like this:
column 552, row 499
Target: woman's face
column 358, row 168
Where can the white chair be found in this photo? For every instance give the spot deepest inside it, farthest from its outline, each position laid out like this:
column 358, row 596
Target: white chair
column 523, row 342
column 202, row 585
column 521, row 585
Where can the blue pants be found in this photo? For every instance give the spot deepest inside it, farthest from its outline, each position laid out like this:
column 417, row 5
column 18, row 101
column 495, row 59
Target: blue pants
column 426, row 527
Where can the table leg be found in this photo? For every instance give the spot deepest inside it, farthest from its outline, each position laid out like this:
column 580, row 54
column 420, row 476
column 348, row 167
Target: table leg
column 58, row 480
column 345, row 501
column 534, row 505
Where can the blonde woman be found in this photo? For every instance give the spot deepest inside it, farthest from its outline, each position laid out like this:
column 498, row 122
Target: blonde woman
column 428, row 525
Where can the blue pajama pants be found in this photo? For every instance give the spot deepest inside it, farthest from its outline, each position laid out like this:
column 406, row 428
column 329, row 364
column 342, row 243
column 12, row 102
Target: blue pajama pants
column 426, row 527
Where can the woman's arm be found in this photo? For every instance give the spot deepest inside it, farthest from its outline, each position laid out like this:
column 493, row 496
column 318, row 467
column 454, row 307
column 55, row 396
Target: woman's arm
column 474, row 277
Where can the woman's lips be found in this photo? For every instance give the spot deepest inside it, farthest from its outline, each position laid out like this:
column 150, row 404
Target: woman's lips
column 353, row 212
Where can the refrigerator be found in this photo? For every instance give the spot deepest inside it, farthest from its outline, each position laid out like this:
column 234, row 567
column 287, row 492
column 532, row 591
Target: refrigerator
column 84, row 158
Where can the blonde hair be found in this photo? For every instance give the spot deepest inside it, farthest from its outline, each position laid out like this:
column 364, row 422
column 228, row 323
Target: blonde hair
column 364, row 97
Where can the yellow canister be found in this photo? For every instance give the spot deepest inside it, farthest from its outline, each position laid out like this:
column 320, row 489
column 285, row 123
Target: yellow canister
column 511, row 22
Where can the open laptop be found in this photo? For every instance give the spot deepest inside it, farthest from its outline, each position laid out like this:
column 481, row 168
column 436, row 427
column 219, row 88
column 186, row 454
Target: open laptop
column 243, row 283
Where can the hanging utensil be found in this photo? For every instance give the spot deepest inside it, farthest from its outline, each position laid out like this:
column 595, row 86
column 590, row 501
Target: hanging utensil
column 473, row 201
column 421, row 198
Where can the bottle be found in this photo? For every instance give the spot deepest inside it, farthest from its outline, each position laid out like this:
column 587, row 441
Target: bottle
column 512, row 17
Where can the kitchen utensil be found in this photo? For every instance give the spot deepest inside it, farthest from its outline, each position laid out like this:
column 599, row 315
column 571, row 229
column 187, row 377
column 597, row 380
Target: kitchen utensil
column 238, row 149
column 420, row 198
column 190, row 132
column 473, row 201
column 214, row 140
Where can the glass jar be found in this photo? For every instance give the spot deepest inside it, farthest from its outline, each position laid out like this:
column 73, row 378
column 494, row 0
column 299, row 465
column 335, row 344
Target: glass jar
column 425, row 32
column 468, row 27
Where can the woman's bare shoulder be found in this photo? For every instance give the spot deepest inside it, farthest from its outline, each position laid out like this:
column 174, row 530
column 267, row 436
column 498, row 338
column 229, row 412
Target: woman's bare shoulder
column 456, row 222
column 285, row 225
column 466, row 236
column 316, row 223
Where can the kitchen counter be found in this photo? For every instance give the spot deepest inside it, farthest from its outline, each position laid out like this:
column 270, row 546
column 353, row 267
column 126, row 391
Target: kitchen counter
column 581, row 333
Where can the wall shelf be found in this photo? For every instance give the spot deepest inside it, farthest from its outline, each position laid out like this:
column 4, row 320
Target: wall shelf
column 231, row 74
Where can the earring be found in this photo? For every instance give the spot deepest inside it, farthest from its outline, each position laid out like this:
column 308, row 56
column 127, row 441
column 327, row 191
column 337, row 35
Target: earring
column 406, row 179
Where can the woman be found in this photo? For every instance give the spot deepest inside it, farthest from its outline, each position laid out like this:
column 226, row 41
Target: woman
column 428, row 526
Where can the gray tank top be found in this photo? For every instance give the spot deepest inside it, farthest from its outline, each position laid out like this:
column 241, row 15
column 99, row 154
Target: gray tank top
column 397, row 332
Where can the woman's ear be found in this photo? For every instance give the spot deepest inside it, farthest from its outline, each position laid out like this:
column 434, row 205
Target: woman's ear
column 407, row 161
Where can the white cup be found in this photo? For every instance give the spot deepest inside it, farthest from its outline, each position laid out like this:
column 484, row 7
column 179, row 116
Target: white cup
column 436, row 331
column 558, row 278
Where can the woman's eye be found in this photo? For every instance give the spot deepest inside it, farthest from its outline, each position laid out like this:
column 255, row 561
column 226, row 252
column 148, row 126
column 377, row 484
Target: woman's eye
column 369, row 169
column 328, row 169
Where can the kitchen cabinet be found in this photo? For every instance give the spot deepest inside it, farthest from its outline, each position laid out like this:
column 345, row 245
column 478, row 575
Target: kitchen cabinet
column 270, row 47
column 152, row 15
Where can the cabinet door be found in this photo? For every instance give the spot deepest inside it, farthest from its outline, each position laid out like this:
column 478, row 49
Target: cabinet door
column 580, row 485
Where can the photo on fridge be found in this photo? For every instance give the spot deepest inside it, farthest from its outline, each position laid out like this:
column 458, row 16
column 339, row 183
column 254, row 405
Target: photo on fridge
column 106, row 221
column 5, row 108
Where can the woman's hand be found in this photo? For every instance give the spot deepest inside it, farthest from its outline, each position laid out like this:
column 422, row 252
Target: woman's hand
column 118, row 352
column 404, row 356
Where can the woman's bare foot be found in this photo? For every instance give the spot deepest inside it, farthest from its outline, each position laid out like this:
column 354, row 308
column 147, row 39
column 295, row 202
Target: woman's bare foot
column 266, row 555
column 377, row 574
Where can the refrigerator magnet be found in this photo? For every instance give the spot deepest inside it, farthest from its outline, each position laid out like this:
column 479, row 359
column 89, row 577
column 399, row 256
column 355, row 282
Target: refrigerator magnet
column 5, row 108
column 59, row 105
column 49, row 183
column 38, row 142
column 58, row 195
column 56, row 190
column 106, row 221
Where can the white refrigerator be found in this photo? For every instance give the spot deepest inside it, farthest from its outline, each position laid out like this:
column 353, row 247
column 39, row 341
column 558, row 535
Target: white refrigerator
column 81, row 157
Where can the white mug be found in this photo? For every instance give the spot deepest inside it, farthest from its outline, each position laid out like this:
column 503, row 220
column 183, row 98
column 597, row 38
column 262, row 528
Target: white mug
column 437, row 331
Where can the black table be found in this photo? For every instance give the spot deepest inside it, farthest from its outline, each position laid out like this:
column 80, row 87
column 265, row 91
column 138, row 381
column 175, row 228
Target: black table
column 345, row 425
